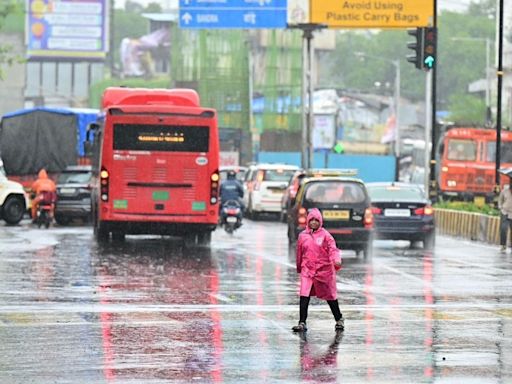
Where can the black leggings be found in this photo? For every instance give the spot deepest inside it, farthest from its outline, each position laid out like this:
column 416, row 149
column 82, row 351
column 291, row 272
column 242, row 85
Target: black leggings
column 303, row 308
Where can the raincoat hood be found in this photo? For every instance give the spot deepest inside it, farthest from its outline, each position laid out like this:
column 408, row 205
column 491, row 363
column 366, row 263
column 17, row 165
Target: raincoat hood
column 42, row 174
column 315, row 214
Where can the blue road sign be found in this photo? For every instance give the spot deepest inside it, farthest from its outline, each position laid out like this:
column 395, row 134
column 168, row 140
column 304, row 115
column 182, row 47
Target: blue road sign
column 233, row 4
column 225, row 14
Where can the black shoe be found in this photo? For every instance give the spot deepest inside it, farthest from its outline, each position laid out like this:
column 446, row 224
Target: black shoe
column 340, row 325
column 301, row 327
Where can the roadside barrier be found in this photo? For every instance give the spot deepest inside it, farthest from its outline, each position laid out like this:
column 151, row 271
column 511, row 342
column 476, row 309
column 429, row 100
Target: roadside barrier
column 468, row 225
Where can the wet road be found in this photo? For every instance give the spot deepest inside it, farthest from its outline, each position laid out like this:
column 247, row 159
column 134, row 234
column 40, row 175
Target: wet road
column 150, row 311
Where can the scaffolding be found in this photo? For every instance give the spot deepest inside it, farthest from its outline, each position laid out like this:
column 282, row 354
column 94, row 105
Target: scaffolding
column 225, row 65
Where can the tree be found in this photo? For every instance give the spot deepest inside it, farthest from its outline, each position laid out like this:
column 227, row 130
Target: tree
column 7, row 8
column 460, row 62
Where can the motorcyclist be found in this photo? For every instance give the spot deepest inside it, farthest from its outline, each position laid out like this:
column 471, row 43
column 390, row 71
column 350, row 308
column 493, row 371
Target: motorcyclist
column 231, row 189
column 43, row 191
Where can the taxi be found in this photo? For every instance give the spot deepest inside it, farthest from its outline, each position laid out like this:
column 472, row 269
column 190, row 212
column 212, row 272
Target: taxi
column 346, row 210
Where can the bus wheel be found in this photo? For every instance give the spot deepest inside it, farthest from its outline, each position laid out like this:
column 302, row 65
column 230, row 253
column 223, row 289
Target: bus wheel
column 118, row 236
column 204, row 238
column 189, row 240
column 101, row 233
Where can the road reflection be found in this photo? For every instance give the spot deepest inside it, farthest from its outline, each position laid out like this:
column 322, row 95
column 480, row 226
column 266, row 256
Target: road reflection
column 163, row 344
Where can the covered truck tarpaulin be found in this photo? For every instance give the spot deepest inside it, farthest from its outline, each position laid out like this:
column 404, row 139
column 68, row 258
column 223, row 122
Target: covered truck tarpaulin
column 50, row 138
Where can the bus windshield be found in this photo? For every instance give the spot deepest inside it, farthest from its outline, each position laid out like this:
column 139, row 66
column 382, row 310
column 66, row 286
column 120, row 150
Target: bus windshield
column 168, row 138
column 506, row 152
column 461, row 149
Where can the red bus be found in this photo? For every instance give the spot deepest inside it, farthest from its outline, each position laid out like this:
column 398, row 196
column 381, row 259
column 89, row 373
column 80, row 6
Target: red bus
column 467, row 162
column 156, row 159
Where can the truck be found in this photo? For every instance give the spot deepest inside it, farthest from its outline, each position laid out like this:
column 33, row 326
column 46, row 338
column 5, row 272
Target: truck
column 466, row 163
column 43, row 137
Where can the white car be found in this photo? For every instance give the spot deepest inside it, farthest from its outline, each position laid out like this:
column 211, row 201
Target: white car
column 264, row 186
column 13, row 199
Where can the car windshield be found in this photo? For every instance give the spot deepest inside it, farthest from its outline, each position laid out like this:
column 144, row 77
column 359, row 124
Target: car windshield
column 74, row 178
column 334, row 192
column 394, row 192
column 240, row 174
column 278, row 175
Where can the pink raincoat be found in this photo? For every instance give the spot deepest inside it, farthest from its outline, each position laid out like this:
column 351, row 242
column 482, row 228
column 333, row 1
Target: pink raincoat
column 316, row 255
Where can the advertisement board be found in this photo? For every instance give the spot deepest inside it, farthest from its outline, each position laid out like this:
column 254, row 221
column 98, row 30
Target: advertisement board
column 324, row 131
column 67, row 29
column 373, row 14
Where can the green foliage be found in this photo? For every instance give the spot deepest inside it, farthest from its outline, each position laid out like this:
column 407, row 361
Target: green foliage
column 459, row 62
column 97, row 89
column 467, row 109
column 10, row 11
column 468, row 207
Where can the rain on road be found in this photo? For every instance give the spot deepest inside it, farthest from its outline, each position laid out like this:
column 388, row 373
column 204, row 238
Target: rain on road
column 150, row 311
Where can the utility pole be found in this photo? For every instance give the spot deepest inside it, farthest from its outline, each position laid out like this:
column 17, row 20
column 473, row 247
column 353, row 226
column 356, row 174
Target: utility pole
column 432, row 192
column 308, row 76
column 499, row 73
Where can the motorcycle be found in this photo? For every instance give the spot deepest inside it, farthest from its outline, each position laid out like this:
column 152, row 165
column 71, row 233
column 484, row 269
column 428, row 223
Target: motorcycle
column 45, row 210
column 44, row 216
column 231, row 216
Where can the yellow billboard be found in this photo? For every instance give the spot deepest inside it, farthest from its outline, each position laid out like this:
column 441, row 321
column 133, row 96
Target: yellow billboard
column 372, row 13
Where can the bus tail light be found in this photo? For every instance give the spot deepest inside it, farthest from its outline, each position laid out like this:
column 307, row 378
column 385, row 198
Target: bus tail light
column 104, row 182
column 376, row 210
column 368, row 218
column 214, row 187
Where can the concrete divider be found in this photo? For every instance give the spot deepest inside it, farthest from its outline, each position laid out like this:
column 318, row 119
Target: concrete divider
column 468, row 225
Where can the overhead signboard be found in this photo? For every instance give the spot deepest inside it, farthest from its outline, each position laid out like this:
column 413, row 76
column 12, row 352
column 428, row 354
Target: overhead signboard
column 372, row 14
column 228, row 14
column 67, row 29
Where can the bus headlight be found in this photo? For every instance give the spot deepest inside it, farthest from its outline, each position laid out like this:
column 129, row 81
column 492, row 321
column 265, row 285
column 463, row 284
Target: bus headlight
column 451, row 183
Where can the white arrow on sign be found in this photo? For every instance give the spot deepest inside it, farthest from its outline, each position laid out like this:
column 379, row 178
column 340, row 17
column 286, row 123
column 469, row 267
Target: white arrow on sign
column 186, row 18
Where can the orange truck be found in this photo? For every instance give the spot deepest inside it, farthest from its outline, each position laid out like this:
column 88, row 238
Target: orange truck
column 466, row 165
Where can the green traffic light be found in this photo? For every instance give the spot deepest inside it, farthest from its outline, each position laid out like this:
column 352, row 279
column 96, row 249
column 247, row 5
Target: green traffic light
column 338, row 148
column 429, row 61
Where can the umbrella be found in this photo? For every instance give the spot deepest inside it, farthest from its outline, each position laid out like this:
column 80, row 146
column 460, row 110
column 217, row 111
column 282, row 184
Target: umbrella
column 506, row 171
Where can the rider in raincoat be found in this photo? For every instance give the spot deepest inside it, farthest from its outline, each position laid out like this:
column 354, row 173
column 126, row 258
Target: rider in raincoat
column 317, row 262
column 41, row 188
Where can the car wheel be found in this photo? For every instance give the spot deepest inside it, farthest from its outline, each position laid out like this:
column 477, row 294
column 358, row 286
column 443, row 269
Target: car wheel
column 429, row 241
column 13, row 210
column 62, row 220
column 291, row 238
column 368, row 249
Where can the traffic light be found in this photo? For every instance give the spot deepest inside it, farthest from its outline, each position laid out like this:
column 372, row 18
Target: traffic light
column 338, row 148
column 429, row 47
column 416, row 46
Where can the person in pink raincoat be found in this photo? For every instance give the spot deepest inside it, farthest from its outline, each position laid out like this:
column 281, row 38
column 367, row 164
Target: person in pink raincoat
column 317, row 262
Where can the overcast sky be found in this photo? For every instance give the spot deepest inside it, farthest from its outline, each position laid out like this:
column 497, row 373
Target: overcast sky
column 453, row 5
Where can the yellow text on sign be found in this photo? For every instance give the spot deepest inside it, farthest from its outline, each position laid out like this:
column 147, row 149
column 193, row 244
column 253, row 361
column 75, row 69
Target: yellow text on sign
column 372, row 13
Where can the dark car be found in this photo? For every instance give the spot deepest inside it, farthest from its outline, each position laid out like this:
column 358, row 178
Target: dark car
column 345, row 207
column 288, row 198
column 73, row 194
column 402, row 212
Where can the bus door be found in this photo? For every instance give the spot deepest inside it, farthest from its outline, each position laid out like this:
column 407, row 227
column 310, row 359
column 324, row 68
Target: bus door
column 160, row 169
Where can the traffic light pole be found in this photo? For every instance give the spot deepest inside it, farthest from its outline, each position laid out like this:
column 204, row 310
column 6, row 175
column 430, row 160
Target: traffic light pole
column 429, row 132
column 432, row 192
